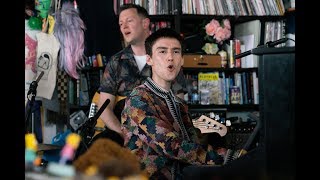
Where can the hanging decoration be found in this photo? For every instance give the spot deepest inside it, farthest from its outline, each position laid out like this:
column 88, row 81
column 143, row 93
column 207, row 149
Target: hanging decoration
column 31, row 46
column 43, row 7
column 35, row 23
column 46, row 62
column 51, row 22
column 69, row 30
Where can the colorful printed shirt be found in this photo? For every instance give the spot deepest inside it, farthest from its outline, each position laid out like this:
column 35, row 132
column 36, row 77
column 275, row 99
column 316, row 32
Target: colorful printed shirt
column 158, row 129
column 122, row 74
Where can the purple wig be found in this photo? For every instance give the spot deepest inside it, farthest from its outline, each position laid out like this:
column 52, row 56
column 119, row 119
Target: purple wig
column 69, row 30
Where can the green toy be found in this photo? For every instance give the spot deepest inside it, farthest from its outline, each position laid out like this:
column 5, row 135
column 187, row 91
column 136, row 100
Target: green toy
column 35, row 23
column 43, row 6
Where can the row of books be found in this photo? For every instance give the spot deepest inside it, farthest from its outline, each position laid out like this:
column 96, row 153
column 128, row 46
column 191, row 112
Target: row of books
column 96, row 61
column 212, row 87
column 233, row 7
column 235, row 47
column 211, row 7
column 249, row 35
column 81, row 91
column 154, row 7
column 160, row 24
column 226, row 88
column 274, row 30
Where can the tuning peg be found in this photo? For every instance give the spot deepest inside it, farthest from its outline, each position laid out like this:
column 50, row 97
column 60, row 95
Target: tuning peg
column 211, row 115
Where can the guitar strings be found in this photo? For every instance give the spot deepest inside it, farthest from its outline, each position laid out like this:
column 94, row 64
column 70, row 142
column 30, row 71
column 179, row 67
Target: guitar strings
column 202, row 124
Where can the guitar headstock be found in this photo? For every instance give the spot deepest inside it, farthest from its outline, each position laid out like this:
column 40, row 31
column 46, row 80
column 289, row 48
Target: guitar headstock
column 208, row 125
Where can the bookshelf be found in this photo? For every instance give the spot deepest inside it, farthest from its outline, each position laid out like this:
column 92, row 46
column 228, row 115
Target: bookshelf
column 185, row 17
column 81, row 91
column 185, row 23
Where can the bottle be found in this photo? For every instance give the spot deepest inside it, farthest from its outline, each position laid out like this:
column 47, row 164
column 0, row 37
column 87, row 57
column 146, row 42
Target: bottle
column 195, row 95
column 224, row 61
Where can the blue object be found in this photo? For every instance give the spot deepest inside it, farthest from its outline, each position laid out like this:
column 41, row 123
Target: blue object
column 60, row 140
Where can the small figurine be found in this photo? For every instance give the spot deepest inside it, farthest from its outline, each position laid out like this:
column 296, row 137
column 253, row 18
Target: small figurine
column 72, row 143
column 31, row 147
column 63, row 169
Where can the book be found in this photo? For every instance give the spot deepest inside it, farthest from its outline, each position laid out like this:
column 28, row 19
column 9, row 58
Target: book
column 238, row 83
column 209, row 88
column 237, row 50
column 249, row 34
column 83, row 91
column 255, row 88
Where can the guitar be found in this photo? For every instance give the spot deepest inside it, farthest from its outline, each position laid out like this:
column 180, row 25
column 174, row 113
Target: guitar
column 208, row 125
column 94, row 125
column 100, row 126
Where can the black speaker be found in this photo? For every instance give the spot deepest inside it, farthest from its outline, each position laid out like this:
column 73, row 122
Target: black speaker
column 274, row 157
column 277, row 110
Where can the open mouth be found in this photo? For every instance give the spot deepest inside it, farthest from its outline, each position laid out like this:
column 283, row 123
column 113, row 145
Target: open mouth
column 170, row 67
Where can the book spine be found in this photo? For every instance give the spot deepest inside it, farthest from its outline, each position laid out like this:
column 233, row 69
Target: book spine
column 237, row 50
column 231, row 54
column 244, row 88
column 255, row 88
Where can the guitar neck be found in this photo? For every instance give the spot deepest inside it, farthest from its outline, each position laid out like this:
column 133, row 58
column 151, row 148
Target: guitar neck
column 208, row 125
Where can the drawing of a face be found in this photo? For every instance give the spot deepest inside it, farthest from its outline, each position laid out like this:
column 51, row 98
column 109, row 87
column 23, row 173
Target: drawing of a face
column 44, row 61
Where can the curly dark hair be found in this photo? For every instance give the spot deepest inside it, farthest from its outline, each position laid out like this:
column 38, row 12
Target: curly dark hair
column 162, row 33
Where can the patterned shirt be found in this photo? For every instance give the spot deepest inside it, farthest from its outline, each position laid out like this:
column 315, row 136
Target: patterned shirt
column 158, row 129
column 122, row 74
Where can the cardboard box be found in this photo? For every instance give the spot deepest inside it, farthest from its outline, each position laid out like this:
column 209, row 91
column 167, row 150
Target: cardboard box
column 202, row 61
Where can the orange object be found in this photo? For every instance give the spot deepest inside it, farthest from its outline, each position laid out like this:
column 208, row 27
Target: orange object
column 37, row 161
column 99, row 60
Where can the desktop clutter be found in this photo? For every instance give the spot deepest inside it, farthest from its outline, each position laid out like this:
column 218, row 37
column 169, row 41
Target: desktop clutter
column 104, row 159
